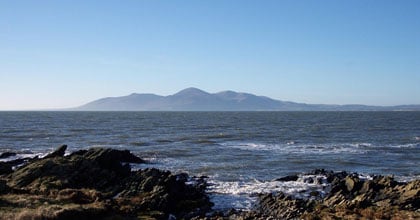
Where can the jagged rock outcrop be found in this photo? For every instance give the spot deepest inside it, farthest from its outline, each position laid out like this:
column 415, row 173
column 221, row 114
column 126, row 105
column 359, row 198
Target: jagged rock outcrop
column 97, row 184
column 59, row 152
column 350, row 197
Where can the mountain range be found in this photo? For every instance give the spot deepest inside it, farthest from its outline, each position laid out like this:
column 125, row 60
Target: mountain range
column 193, row 99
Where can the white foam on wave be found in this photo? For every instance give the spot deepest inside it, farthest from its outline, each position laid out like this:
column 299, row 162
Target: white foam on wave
column 365, row 177
column 22, row 156
column 243, row 195
column 411, row 145
column 292, row 147
column 407, row 178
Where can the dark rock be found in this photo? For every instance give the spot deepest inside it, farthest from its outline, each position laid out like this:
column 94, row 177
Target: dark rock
column 95, row 183
column 309, row 180
column 315, row 193
column 385, row 181
column 4, row 188
column 7, row 154
column 160, row 190
column 320, row 172
column 288, row 178
column 281, row 206
column 79, row 152
column 5, row 168
column 97, row 168
column 104, row 155
column 334, row 178
column 59, row 152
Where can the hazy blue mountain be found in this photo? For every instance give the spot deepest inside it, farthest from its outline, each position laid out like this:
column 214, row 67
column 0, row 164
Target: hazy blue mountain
column 193, row 99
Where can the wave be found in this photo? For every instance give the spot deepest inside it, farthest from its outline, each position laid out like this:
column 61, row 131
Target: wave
column 407, row 178
column 163, row 141
column 218, row 136
column 297, row 148
column 243, row 195
column 330, row 148
column 203, row 141
column 139, row 144
column 23, row 154
column 411, row 145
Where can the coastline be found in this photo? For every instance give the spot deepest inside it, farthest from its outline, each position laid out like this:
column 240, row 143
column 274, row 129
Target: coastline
column 98, row 183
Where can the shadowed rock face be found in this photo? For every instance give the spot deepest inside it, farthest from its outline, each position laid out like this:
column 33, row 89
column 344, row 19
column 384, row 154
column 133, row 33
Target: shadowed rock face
column 59, row 152
column 97, row 183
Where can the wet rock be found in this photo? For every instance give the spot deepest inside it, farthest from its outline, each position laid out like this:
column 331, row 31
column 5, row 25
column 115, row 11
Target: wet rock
column 7, row 167
column 315, row 194
column 4, row 188
column 59, row 152
column 7, row 155
column 288, row 178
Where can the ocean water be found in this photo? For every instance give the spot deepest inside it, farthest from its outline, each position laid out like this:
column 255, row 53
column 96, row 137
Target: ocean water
column 241, row 152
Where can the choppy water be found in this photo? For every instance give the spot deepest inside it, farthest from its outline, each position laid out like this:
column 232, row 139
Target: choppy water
column 241, row 152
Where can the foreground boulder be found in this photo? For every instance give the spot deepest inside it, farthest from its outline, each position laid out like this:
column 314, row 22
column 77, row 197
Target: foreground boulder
column 97, row 184
column 96, row 168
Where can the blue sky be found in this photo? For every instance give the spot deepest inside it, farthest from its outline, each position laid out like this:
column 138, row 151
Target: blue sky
column 56, row 54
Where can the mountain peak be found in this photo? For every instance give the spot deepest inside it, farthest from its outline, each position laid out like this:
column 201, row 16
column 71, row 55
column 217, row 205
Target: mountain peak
column 228, row 92
column 192, row 91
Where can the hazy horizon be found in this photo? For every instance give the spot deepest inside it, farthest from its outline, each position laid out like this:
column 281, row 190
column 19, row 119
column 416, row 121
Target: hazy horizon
column 63, row 54
column 191, row 90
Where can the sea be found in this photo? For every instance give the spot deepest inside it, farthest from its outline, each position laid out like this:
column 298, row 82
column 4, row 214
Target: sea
column 241, row 153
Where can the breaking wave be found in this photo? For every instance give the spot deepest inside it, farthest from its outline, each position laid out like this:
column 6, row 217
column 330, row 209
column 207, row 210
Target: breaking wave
column 244, row 194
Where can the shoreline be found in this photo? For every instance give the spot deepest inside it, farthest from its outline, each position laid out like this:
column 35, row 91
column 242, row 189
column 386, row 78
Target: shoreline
column 99, row 183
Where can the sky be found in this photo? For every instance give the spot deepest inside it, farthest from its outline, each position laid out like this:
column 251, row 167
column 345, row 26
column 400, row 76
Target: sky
column 59, row 54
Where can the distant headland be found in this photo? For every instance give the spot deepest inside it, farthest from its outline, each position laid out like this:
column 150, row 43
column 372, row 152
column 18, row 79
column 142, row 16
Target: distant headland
column 193, row 99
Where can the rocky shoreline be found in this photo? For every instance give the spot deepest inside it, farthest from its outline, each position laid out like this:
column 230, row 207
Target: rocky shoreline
column 98, row 183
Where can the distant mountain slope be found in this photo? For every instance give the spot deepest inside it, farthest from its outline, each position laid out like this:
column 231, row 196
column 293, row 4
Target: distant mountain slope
column 193, row 99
